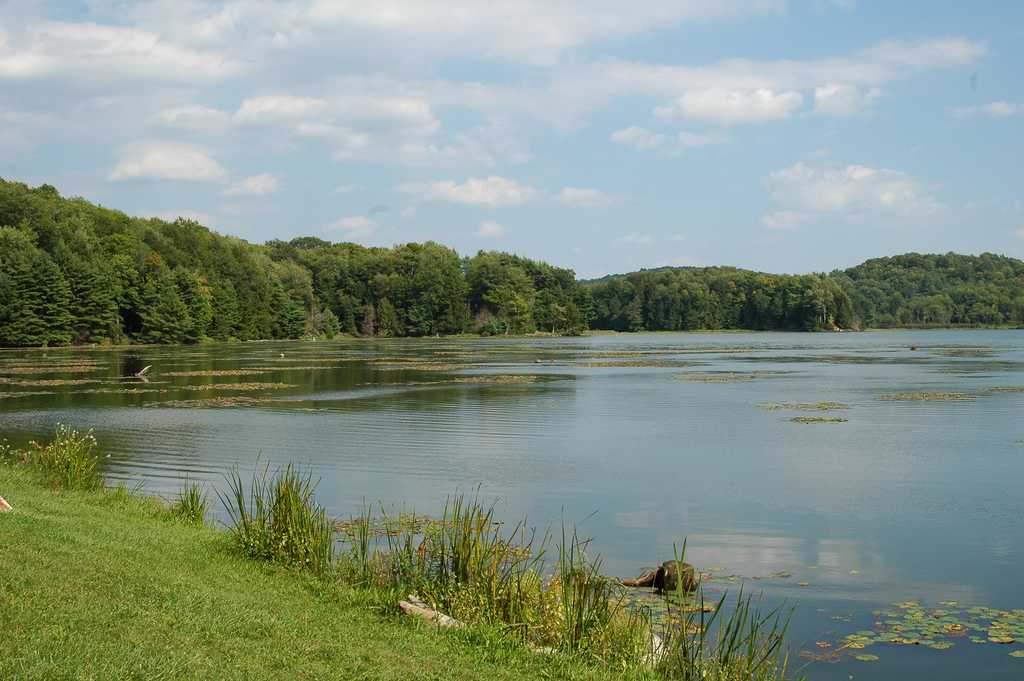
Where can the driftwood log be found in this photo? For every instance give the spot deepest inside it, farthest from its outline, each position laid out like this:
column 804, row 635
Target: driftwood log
column 412, row 605
column 666, row 577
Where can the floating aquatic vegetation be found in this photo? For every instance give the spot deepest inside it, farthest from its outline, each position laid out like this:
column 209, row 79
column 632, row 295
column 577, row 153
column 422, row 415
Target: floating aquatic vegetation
column 215, row 372
column 866, row 658
column 11, row 395
column 661, row 363
column 926, row 397
column 391, row 365
column 633, row 353
column 1008, row 389
column 911, row 624
column 726, row 377
column 44, row 383
column 803, row 406
column 504, row 378
column 50, row 369
column 243, row 387
column 301, row 367
column 817, row 419
column 218, row 402
column 963, row 352
column 386, row 525
column 119, row 391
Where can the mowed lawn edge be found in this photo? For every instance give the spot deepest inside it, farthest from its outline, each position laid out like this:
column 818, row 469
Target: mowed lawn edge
column 104, row 585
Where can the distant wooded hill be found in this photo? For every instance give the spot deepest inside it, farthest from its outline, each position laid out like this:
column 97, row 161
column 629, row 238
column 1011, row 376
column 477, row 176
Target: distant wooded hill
column 74, row 272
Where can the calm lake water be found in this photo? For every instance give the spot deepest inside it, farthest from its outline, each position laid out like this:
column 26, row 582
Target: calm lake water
column 641, row 440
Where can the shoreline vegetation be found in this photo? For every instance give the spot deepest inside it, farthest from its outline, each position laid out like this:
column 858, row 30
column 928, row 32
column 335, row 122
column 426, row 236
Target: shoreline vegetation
column 475, row 336
column 74, row 273
column 148, row 588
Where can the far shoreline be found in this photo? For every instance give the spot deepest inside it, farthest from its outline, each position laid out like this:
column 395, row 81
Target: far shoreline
column 594, row 333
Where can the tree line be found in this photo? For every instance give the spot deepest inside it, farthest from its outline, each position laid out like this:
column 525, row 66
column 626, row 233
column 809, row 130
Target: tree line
column 74, row 272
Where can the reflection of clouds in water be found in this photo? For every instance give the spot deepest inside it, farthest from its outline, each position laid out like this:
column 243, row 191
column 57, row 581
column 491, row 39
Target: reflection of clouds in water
column 748, row 554
column 634, row 520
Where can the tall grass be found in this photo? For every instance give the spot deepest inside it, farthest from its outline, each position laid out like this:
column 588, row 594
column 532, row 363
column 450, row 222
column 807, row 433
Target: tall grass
column 69, row 461
column 278, row 520
column 191, row 504
column 747, row 644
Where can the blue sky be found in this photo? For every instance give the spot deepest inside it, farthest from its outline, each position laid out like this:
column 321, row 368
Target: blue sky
column 786, row 136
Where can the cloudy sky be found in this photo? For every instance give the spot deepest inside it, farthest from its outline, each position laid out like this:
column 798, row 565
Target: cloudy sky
column 600, row 135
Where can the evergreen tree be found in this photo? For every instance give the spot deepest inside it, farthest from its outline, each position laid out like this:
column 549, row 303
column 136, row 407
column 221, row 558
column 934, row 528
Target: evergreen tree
column 224, row 302
column 165, row 317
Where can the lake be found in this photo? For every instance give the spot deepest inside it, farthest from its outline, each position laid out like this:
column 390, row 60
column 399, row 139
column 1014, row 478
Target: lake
column 909, row 492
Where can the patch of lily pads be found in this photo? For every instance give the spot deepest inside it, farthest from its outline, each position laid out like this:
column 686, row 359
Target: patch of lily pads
column 938, row 628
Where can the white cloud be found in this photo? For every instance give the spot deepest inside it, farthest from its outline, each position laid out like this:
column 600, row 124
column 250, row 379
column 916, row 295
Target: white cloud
column 635, row 238
column 489, row 229
column 195, row 118
column 348, row 188
column 354, row 226
column 678, row 236
column 536, row 31
column 784, row 219
column 347, row 142
column 407, row 212
column 278, row 107
column 639, row 138
column 256, row 185
column 725, row 106
column 1019, row 233
column 167, row 161
column 584, row 197
column 106, row 53
column 843, row 100
column 998, row 109
column 642, row 139
column 490, row 191
column 854, row 192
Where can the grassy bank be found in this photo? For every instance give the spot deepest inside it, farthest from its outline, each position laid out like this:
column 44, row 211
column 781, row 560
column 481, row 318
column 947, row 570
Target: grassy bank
column 105, row 585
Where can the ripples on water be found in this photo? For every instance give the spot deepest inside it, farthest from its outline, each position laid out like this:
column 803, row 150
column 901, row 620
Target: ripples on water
column 921, row 499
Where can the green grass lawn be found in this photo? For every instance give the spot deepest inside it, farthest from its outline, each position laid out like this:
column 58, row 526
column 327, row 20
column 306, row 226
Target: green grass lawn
column 106, row 586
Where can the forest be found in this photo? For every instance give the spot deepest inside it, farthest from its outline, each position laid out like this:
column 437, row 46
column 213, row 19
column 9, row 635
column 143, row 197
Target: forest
column 72, row 272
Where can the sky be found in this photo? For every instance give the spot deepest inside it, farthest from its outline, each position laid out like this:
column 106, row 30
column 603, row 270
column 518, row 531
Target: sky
column 605, row 136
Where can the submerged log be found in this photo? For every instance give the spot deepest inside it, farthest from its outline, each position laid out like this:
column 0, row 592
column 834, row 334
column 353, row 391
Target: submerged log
column 666, row 577
column 4, row 506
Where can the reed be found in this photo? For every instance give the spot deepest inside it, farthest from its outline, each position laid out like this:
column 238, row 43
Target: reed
column 278, row 520
column 191, row 504
column 747, row 644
